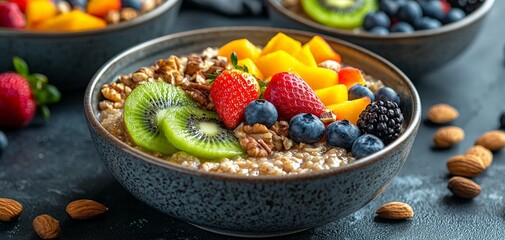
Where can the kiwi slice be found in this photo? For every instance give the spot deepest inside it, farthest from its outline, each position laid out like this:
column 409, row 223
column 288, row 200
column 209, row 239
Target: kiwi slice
column 145, row 108
column 346, row 14
column 200, row 133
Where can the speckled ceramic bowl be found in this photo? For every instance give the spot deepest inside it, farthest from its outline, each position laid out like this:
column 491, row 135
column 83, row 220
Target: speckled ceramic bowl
column 239, row 205
column 69, row 59
column 415, row 54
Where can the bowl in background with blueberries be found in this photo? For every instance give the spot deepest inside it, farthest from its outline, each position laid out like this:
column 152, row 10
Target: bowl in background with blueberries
column 418, row 36
column 68, row 40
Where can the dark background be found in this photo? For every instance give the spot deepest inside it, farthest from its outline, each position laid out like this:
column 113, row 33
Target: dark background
column 49, row 164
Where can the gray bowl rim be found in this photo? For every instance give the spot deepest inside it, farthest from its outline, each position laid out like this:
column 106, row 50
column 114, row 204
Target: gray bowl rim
column 91, row 116
column 445, row 29
column 164, row 7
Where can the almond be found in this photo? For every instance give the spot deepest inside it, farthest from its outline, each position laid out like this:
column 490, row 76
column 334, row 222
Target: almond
column 9, row 209
column 463, row 187
column 483, row 153
column 465, row 165
column 85, row 209
column 492, row 140
column 46, row 226
column 442, row 113
column 395, row 211
column 446, row 137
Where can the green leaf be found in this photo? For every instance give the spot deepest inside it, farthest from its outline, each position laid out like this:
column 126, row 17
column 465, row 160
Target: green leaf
column 213, row 76
column 20, row 66
column 41, row 97
column 44, row 111
column 234, row 60
column 53, row 95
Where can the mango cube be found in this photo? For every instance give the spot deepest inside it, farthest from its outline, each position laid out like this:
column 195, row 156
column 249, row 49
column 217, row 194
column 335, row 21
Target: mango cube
column 251, row 67
column 350, row 110
column 332, row 95
column 242, row 47
column 281, row 42
column 321, row 50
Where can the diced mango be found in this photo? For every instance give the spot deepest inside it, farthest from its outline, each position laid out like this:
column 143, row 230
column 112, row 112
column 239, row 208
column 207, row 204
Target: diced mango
column 321, row 50
column 350, row 110
column 350, row 76
column 72, row 21
column 317, row 77
column 305, row 56
column 100, row 8
column 332, row 95
column 251, row 67
column 276, row 62
column 242, row 47
column 38, row 11
column 281, row 42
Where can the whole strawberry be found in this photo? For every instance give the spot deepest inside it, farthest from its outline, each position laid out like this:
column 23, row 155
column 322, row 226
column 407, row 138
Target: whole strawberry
column 21, row 93
column 231, row 91
column 11, row 16
column 291, row 95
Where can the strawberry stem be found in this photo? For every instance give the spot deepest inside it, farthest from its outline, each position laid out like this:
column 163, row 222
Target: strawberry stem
column 234, row 62
column 43, row 92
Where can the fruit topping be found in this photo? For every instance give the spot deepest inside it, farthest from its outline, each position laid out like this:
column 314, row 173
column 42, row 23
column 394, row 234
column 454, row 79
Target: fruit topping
column 21, row 93
column 467, row 5
column 306, row 128
column 100, row 8
column 11, row 16
column 365, row 145
column 382, row 119
column 350, row 76
column 200, row 133
column 282, row 42
column 427, row 23
column 376, row 19
column 453, row 15
column 262, row 112
column 135, row 4
column 402, row 27
column 380, row 31
column 75, row 20
column 350, row 110
column 321, row 50
column 291, row 95
column 342, row 134
column 433, row 9
column 409, row 12
column 359, row 91
column 332, row 95
column 242, row 47
column 231, row 92
column 339, row 13
column 387, row 94
column 144, row 111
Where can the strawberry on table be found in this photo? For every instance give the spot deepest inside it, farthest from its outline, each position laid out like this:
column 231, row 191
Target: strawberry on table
column 21, row 93
column 291, row 95
column 11, row 16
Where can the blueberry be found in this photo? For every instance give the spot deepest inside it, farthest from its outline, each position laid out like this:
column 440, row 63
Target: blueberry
column 3, row 143
column 502, row 120
column 454, row 15
column 306, row 128
column 380, row 31
column 135, row 4
column 387, row 94
column 366, row 145
column 402, row 27
column 342, row 134
column 375, row 19
column 433, row 9
column 389, row 7
column 78, row 3
column 427, row 23
column 359, row 91
column 261, row 111
column 409, row 12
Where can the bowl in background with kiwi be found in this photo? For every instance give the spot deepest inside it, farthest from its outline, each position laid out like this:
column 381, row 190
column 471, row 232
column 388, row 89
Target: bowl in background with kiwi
column 69, row 59
column 414, row 53
column 249, row 205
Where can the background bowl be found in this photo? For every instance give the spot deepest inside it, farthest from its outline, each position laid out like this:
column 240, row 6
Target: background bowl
column 415, row 53
column 69, row 59
column 239, row 205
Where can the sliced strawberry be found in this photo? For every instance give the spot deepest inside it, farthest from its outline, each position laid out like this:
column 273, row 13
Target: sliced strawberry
column 291, row 95
column 11, row 16
column 231, row 91
column 21, row 4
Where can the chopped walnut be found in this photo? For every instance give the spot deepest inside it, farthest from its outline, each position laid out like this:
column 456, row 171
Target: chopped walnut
column 330, row 64
column 194, row 64
column 128, row 14
column 200, row 93
column 170, row 71
column 256, row 140
column 280, row 136
column 113, row 17
column 281, row 128
column 328, row 117
column 255, row 147
column 116, row 92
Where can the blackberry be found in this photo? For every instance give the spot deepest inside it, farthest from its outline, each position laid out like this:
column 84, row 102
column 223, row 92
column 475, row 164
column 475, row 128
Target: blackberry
column 466, row 5
column 383, row 119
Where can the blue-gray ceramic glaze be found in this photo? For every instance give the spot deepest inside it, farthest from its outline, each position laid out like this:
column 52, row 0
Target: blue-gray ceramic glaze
column 69, row 59
column 415, row 53
column 265, row 205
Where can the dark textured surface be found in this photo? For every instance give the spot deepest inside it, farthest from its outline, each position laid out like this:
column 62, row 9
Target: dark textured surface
column 49, row 164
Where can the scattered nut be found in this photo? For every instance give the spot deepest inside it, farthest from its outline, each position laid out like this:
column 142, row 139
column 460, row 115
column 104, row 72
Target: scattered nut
column 85, row 209
column 492, row 140
column 395, row 211
column 9, row 209
column 442, row 113
column 446, row 137
column 483, row 153
column 465, row 165
column 46, row 226
column 463, row 187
